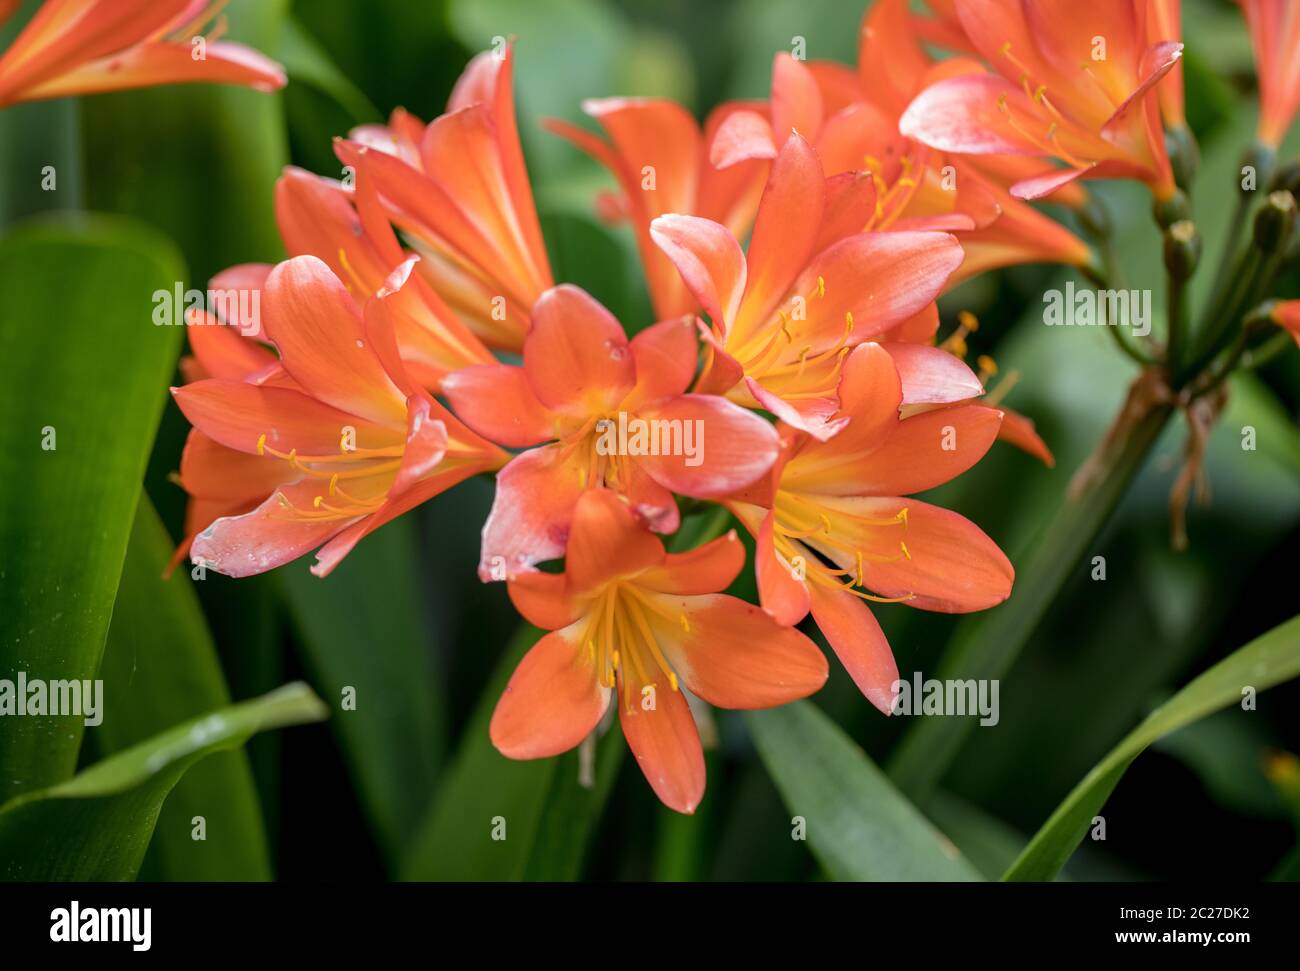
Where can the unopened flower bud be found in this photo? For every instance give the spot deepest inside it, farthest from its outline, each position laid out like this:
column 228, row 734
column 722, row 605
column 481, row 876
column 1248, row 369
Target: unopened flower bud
column 1182, row 249
column 1274, row 221
column 1174, row 209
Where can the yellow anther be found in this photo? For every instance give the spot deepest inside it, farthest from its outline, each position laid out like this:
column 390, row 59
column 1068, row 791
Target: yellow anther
column 315, row 503
column 821, row 286
column 987, row 364
column 1002, row 104
column 848, row 320
column 672, row 680
column 873, row 163
column 907, row 553
column 261, row 444
column 334, row 483
column 862, row 573
column 686, row 624
column 614, row 661
column 293, row 458
column 1039, row 92
column 968, row 320
column 902, row 516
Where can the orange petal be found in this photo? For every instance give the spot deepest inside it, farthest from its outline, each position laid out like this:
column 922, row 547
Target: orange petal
column 796, row 100
column 783, row 596
column 730, row 447
column 531, row 512
column 497, row 401
column 552, row 701
column 741, row 137
column 606, row 543
column 666, row 745
column 576, row 354
column 735, row 655
column 320, row 335
column 542, row 599
column 213, row 472
column 932, row 376
column 705, row 569
column 220, row 350
column 789, row 218
column 953, row 566
column 855, row 636
column 709, row 259
column 151, row 64
column 1019, row 431
column 237, row 414
column 666, row 355
column 267, row 537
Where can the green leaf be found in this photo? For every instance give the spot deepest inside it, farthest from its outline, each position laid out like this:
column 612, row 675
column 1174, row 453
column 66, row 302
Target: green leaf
column 306, row 62
column 84, row 370
column 858, row 825
column 365, row 627
column 1264, row 662
column 548, row 817
column 96, row 825
column 160, row 668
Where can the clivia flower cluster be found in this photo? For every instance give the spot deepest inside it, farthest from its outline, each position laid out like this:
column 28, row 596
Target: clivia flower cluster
column 794, row 249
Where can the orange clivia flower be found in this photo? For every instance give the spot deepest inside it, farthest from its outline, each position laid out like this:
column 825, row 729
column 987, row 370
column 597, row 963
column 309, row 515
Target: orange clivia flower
column 599, row 406
column 459, row 191
column 811, row 287
column 852, row 119
column 91, row 46
column 1275, row 36
column 1074, row 82
column 346, row 229
column 630, row 620
column 659, row 155
column 332, row 436
column 835, row 532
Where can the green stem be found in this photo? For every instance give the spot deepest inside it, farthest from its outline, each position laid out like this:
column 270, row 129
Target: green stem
column 985, row 645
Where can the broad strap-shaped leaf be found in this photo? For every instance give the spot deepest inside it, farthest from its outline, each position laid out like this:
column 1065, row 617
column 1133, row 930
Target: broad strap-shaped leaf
column 83, row 378
column 498, row 819
column 858, row 826
column 161, row 668
column 367, row 641
column 1264, row 662
column 97, row 825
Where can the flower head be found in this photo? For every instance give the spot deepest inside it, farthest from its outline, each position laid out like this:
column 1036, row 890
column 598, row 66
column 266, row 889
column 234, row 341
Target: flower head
column 91, row 46
column 581, row 385
column 1074, row 82
column 835, row 531
column 332, row 435
column 811, row 286
column 631, row 622
column 459, row 190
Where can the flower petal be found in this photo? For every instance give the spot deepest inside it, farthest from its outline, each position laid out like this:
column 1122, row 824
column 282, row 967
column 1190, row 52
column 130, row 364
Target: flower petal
column 742, row 136
column 542, row 599
column 709, row 260
column 855, row 636
column 735, row 655
column 706, row 569
column 930, row 375
column 497, row 401
column 552, row 701
column 531, row 512
column 606, row 542
column 730, row 447
column 781, row 594
column 666, row 745
column 576, row 354
column 320, row 335
column 666, row 355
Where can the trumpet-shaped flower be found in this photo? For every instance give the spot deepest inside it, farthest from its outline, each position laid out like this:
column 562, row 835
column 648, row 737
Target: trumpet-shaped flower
column 459, row 191
column 1074, row 82
column 835, row 531
column 333, row 435
column 811, row 287
column 347, row 231
column 604, row 411
column 1275, row 36
column 659, row 156
column 852, row 119
column 91, row 46
column 629, row 621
